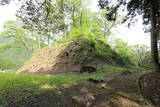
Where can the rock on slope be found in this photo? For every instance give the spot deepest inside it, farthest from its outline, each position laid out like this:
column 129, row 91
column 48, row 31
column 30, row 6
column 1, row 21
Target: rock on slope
column 67, row 56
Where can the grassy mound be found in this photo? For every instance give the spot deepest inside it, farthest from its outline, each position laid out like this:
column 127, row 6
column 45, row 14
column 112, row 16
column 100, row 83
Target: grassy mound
column 70, row 54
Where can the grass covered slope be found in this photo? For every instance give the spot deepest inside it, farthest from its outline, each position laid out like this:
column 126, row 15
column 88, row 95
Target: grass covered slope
column 70, row 54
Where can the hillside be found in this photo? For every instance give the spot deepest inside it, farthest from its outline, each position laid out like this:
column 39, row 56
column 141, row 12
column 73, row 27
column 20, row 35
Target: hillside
column 72, row 55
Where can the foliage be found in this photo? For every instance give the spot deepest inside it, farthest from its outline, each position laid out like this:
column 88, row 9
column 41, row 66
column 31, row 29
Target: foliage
column 139, row 55
column 4, row 2
column 149, row 10
column 29, row 34
column 46, row 17
column 6, row 63
column 56, row 19
column 123, row 49
column 142, row 56
column 101, row 45
column 15, row 53
column 14, row 32
column 65, row 19
column 18, row 43
column 141, row 7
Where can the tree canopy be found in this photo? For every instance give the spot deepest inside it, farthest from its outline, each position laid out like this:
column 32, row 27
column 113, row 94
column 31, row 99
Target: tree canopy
column 150, row 11
column 134, row 8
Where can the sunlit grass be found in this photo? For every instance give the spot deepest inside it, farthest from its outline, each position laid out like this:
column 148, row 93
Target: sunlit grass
column 17, row 87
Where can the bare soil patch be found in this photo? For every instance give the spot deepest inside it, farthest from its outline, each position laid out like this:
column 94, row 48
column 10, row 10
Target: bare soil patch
column 64, row 57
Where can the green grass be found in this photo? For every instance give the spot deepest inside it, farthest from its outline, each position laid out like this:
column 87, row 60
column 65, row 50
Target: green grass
column 17, row 87
column 121, row 70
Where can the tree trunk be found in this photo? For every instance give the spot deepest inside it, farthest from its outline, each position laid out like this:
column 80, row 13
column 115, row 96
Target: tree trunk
column 154, row 47
column 48, row 40
column 105, row 29
column 81, row 18
column 73, row 14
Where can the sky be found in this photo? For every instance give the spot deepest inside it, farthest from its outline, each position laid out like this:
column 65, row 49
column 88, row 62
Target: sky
column 134, row 35
column 7, row 13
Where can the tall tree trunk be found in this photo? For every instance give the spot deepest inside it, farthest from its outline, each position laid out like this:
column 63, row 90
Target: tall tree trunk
column 154, row 47
column 105, row 29
column 81, row 18
column 73, row 14
column 48, row 40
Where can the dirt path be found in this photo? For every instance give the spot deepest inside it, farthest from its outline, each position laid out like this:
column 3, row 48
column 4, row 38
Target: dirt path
column 121, row 91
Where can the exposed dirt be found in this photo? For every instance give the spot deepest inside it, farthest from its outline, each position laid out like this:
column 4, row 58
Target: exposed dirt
column 71, row 56
column 64, row 57
column 122, row 91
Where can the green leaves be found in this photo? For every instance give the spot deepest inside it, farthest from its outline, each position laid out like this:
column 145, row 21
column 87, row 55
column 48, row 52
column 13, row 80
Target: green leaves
column 6, row 63
column 18, row 44
column 46, row 17
column 142, row 56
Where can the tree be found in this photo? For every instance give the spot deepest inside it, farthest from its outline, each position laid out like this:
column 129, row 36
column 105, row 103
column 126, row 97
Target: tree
column 6, row 63
column 105, row 24
column 44, row 16
column 149, row 9
column 141, row 56
column 123, row 49
column 17, row 46
column 15, row 33
column 4, row 2
column 55, row 19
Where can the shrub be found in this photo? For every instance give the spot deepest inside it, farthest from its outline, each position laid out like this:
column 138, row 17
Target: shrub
column 6, row 64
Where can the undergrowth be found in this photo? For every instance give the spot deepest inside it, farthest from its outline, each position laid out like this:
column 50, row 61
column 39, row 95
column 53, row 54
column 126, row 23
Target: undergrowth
column 102, row 48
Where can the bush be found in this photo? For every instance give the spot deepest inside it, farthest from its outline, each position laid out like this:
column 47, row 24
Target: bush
column 102, row 48
column 6, row 64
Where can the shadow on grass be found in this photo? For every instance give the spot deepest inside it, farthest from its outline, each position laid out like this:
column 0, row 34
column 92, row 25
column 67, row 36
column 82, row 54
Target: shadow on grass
column 42, row 91
column 80, row 95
